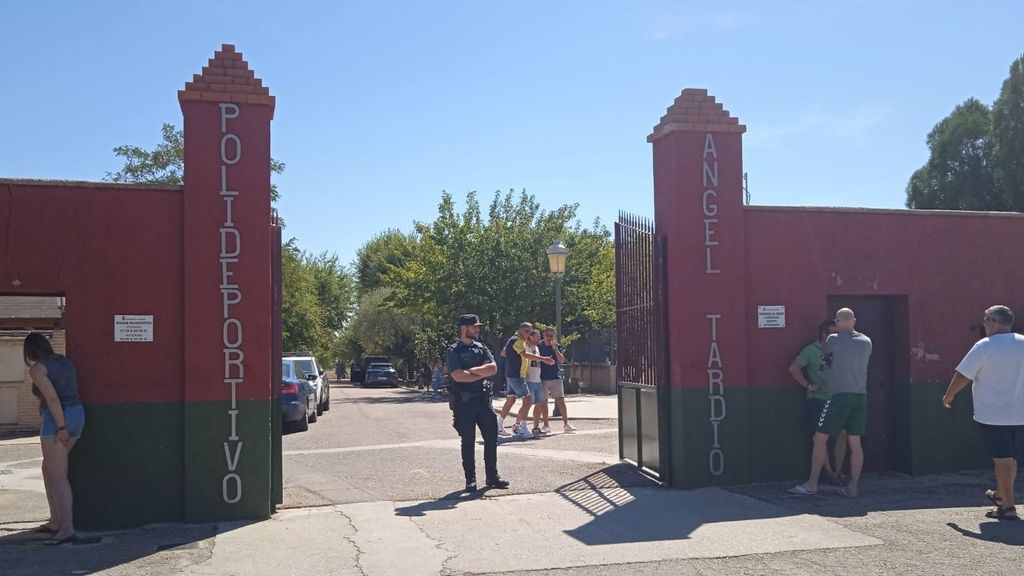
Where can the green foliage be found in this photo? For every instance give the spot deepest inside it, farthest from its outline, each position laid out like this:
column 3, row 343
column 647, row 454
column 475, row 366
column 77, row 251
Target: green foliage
column 496, row 267
column 385, row 252
column 1008, row 137
column 381, row 329
column 317, row 302
column 958, row 175
column 165, row 164
column 976, row 159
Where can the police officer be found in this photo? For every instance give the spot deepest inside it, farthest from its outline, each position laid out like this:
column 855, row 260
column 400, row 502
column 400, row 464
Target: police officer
column 469, row 364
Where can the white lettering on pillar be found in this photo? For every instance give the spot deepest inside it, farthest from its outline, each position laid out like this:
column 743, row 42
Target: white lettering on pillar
column 709, row 201
column 231, row 295
column 716, row 398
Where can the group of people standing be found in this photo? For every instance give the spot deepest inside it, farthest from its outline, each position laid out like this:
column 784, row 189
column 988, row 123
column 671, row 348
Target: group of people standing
column 532, row 373
column 834, row 370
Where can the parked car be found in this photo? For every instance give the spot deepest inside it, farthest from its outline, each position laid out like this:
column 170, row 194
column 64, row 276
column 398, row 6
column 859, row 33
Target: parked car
column 381, row 373
column 359, row 370
column 298, row 397
column 307, row 363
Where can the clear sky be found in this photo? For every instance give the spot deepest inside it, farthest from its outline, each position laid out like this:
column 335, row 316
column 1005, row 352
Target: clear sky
column 381, row 104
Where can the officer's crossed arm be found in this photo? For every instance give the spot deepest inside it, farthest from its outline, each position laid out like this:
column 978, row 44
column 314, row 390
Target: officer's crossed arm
column 474, row 374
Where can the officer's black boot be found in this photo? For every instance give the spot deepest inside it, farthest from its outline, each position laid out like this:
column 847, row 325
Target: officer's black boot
column 497, row 482
column 471, row 485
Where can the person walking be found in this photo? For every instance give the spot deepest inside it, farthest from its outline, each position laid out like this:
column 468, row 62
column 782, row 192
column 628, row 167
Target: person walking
column 55, row 384
column 437, row 376
column 551, row 375
column 996, row 367
column 533, row 378
column 847, row 353
column 470, row 363
column 517, row 361
column 809, row 370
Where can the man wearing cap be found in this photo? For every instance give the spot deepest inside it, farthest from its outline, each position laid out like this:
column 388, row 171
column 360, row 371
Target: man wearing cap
column 996, row 367
column 469, row 364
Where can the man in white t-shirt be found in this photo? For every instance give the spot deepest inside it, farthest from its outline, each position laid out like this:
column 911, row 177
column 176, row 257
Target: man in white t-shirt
column 996, row 366
column 534, row 382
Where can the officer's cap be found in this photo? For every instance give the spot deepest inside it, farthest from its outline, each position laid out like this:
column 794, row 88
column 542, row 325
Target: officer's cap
column 469, row 320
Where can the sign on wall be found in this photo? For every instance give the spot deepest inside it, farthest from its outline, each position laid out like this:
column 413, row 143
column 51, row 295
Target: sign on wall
column 771, row 316
column 133, row 328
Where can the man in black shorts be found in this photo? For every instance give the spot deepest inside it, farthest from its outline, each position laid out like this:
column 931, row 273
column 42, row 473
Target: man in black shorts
column 996, row 366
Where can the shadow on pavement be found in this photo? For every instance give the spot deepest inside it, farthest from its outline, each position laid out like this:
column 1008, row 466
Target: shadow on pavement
column 885, row 491
column 1007, row 532
column 24, row 552
column 447, row 502
column 413, row 398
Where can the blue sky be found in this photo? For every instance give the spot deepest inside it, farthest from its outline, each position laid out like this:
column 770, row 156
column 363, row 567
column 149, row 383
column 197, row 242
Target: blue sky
column 382, row 105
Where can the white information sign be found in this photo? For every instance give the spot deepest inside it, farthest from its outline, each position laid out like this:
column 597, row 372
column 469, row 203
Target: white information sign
column 128, row 328
column 771, row 316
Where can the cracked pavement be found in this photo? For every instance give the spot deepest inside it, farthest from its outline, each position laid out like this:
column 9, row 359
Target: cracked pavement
column 373, row 489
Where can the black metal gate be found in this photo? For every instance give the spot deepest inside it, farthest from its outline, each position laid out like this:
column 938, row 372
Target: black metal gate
column 640, row 329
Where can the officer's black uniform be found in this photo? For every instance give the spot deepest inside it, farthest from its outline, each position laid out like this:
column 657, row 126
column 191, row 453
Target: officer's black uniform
column 471, row 408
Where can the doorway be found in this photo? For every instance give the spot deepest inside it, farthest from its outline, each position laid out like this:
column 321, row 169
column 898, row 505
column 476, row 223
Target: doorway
column 885, row 320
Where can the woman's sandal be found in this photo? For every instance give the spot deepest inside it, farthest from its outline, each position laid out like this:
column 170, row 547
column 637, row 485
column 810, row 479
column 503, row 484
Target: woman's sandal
column 58, row 541
column 44, row 529
column 1000, row 513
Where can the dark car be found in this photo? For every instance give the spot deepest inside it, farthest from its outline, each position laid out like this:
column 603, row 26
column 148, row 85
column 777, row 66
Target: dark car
column 378, row 374
column 359, row 369
column 298, row 397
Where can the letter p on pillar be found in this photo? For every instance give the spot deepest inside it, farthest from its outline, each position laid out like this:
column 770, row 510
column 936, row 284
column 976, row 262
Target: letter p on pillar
column 227, row 111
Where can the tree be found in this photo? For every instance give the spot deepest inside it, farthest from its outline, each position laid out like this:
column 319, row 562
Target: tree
column 958, row 174
column 165, row 164
column 302, row 316
column 385, row 252
column 382, row 329
column 497, row 268
column 1008, row 137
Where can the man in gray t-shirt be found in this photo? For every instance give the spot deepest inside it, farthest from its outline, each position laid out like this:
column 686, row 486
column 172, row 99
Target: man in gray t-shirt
column 847, row 353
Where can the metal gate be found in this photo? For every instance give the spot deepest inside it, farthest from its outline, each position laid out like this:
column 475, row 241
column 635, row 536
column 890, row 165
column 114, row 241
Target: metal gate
column 640, row 333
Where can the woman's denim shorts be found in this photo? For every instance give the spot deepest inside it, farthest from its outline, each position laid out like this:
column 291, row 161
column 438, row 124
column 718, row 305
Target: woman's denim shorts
column 74, row 419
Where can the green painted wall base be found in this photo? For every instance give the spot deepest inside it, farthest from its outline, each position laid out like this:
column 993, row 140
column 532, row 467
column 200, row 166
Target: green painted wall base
column 127, row 468
column 209, row 484
column 764, row 438
column 144, row 463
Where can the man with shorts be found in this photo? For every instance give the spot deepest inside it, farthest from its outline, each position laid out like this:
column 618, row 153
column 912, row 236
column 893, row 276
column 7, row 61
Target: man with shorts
column 516, row 364
column 534, row 382
column 847, row 353
column 809, row 370
column 996, row 366
column 551, row 374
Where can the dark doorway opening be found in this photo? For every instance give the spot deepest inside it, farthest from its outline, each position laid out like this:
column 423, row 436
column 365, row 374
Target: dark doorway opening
column 884, row 319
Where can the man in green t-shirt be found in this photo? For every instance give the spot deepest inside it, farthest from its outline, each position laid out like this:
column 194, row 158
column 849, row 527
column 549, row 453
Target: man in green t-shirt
column 811, row 372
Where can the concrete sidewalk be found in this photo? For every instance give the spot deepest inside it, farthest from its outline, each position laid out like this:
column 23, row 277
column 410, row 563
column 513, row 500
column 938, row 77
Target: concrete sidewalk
column 581, row 525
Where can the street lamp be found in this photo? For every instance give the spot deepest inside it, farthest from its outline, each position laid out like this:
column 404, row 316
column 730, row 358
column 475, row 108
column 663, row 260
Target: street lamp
column 556, row 260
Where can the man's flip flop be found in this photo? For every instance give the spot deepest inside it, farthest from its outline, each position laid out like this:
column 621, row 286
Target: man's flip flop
column 44, row 529
column 801, row 490
column 1000, row 513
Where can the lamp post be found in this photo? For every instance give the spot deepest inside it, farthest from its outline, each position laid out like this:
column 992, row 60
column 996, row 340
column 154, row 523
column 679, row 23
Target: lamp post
column 556, row 260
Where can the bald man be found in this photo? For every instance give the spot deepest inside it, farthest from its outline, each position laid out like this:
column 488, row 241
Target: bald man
column 847, row 353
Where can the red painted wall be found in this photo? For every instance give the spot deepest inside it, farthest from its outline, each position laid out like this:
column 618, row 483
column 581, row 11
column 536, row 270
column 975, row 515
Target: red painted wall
column 110, row 249
column 951, row 265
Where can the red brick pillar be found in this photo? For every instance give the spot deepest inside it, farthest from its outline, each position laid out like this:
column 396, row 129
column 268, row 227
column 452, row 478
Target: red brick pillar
column 227, row 269
column 698, row 201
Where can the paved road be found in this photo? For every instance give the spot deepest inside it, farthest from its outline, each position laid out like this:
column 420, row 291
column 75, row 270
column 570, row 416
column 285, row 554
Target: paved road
column 393, row 444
